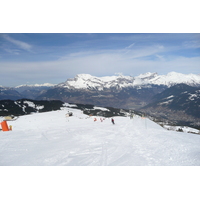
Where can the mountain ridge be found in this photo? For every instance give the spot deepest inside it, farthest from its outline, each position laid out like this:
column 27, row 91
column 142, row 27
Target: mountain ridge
column 83, row 80
column 86, row 81
column 119, row 90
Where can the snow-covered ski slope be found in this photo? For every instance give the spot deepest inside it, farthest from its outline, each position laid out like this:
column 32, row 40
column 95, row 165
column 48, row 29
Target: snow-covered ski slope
column 52, row 139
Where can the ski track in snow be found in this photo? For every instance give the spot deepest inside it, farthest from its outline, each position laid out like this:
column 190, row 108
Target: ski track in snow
column 52, row 139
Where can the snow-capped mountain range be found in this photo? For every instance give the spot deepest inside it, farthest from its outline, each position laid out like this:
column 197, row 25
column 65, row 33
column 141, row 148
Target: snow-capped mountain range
column 86, row 81
column 118, row 90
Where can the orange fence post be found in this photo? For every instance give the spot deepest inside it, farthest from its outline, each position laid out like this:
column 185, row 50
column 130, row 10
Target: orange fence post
column 4, row 126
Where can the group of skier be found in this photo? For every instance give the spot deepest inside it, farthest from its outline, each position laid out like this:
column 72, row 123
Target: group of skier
column 112, row 120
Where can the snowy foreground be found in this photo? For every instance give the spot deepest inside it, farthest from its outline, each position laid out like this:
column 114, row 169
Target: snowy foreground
column 52, row 139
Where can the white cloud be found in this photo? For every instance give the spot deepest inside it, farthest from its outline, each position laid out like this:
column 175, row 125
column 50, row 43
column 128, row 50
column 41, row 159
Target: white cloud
column 20, row 44
column 12, row 51
column 192, row 44
column 160, row 57
column 130, row 46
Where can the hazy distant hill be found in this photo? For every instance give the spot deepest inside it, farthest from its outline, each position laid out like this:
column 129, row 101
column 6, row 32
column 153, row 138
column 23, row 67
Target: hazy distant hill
column 9, row 93
column 179, row 103
column 32, row 91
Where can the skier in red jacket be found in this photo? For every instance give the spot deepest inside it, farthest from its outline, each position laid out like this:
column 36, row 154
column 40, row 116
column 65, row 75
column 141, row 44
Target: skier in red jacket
column 112, row 121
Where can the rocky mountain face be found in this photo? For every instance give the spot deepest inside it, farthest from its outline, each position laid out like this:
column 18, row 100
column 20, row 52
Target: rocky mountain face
column 179, row 103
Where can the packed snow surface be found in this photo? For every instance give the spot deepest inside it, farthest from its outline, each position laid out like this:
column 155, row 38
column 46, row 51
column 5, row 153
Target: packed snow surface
column 52, row 139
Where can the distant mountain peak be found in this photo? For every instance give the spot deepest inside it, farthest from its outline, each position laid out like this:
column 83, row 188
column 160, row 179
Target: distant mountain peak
column 36, row 85
column 148, row 75
column 83, row 76
column 174, row 73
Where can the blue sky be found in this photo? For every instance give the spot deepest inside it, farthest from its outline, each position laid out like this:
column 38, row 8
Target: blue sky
column 53, row 57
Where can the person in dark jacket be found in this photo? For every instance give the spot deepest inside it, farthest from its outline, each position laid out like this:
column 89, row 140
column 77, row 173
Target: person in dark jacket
column 112, row 121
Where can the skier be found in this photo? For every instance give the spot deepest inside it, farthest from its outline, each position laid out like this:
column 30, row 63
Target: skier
column 112, row 121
